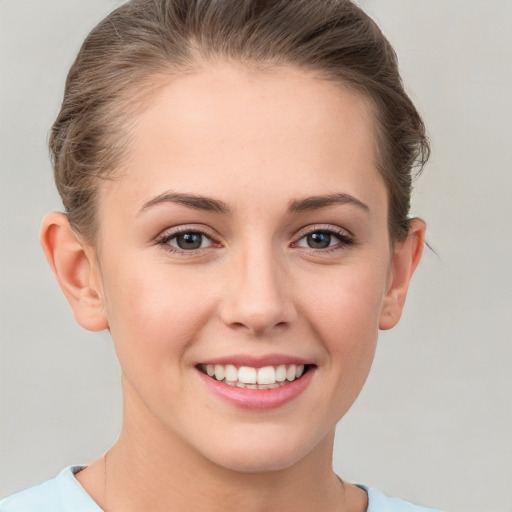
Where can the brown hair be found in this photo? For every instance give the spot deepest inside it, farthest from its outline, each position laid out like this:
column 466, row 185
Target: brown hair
column 143, row 39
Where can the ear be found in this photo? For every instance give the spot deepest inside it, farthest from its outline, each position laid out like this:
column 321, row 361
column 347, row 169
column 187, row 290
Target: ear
column 405, row 259
column 76, row 269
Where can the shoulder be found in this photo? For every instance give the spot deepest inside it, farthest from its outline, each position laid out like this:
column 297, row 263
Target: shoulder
column 60, row 494
column 379, row 502
column 43, row 497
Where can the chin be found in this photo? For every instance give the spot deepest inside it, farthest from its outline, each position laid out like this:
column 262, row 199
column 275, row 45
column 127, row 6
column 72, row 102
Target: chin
column 257, row 463
column 261, row 454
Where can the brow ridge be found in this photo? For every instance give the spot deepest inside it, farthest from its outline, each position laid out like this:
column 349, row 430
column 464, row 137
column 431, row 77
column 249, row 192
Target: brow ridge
column 323, row 201
column 195, row 201
column 200, row 202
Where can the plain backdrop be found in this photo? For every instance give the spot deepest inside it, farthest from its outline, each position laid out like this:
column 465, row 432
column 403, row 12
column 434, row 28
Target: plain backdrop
column 434, row 421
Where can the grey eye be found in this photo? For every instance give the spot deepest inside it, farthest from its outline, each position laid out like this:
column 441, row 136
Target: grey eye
column 189, row 241
column 319, row 240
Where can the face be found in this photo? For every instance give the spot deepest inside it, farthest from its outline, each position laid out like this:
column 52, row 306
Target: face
column 246, row 237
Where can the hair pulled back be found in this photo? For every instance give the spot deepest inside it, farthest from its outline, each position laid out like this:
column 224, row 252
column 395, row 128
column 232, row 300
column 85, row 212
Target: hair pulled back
column 121, row 59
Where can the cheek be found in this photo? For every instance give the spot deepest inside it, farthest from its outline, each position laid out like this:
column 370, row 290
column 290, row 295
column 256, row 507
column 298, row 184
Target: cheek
column 345, row 314
column 349, row 297
column 153, row 317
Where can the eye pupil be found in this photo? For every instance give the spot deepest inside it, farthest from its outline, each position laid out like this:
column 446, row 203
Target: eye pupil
column 319, row 240
column 189, row 240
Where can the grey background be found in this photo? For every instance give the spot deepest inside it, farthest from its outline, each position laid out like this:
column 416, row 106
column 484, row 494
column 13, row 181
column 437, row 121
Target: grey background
column 434, row 421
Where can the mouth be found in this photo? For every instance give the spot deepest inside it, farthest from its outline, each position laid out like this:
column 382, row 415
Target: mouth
column 249, row 377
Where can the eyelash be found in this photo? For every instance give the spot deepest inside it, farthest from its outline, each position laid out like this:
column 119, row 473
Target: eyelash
column 345, row 240
column 167, row 237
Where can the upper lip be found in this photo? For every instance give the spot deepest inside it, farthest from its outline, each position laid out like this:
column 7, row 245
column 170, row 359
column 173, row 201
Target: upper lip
column 257, row 361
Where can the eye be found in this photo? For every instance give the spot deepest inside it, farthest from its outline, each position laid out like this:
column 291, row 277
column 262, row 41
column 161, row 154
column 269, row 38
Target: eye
column 321, row 239
column 189, row 241
column 186, row 240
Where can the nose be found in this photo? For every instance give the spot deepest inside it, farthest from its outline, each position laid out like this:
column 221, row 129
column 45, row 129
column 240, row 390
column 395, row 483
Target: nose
column 258, row 296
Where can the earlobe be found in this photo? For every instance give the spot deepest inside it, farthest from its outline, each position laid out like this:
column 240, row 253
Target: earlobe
column 405, row 259
column 76, row 271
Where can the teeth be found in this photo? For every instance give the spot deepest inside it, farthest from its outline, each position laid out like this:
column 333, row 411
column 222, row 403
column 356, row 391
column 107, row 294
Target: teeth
column 247, row 375
column 281, row 373
column 290, row 372
column 219, row 372
column 267, row 377
column 231, row 373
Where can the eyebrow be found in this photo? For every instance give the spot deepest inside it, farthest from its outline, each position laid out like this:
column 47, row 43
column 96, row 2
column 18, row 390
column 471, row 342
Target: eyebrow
column 318, row 202
column 190, row 200
column 209, row 204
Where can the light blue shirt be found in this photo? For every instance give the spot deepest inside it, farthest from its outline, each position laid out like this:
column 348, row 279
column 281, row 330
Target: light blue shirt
column 64, row 494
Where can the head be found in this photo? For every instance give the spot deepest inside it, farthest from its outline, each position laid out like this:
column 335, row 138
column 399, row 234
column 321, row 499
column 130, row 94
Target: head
column 173, row 111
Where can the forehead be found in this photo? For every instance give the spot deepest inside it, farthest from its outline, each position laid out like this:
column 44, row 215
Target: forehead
column 281, row 130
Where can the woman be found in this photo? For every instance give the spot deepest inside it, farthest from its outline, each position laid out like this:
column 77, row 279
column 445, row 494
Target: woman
column 236, row 178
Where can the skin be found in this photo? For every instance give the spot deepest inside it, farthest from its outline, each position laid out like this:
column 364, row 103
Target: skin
column 258, row 142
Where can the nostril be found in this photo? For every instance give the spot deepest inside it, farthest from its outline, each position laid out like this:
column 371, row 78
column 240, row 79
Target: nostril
column 258, row 326
column 258, row 306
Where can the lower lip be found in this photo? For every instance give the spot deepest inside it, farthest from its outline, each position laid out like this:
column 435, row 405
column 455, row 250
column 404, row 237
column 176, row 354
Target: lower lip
column 258, row 399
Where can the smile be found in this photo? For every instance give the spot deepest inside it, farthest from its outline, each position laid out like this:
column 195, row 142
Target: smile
column 248, row 377
column 257, row 382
